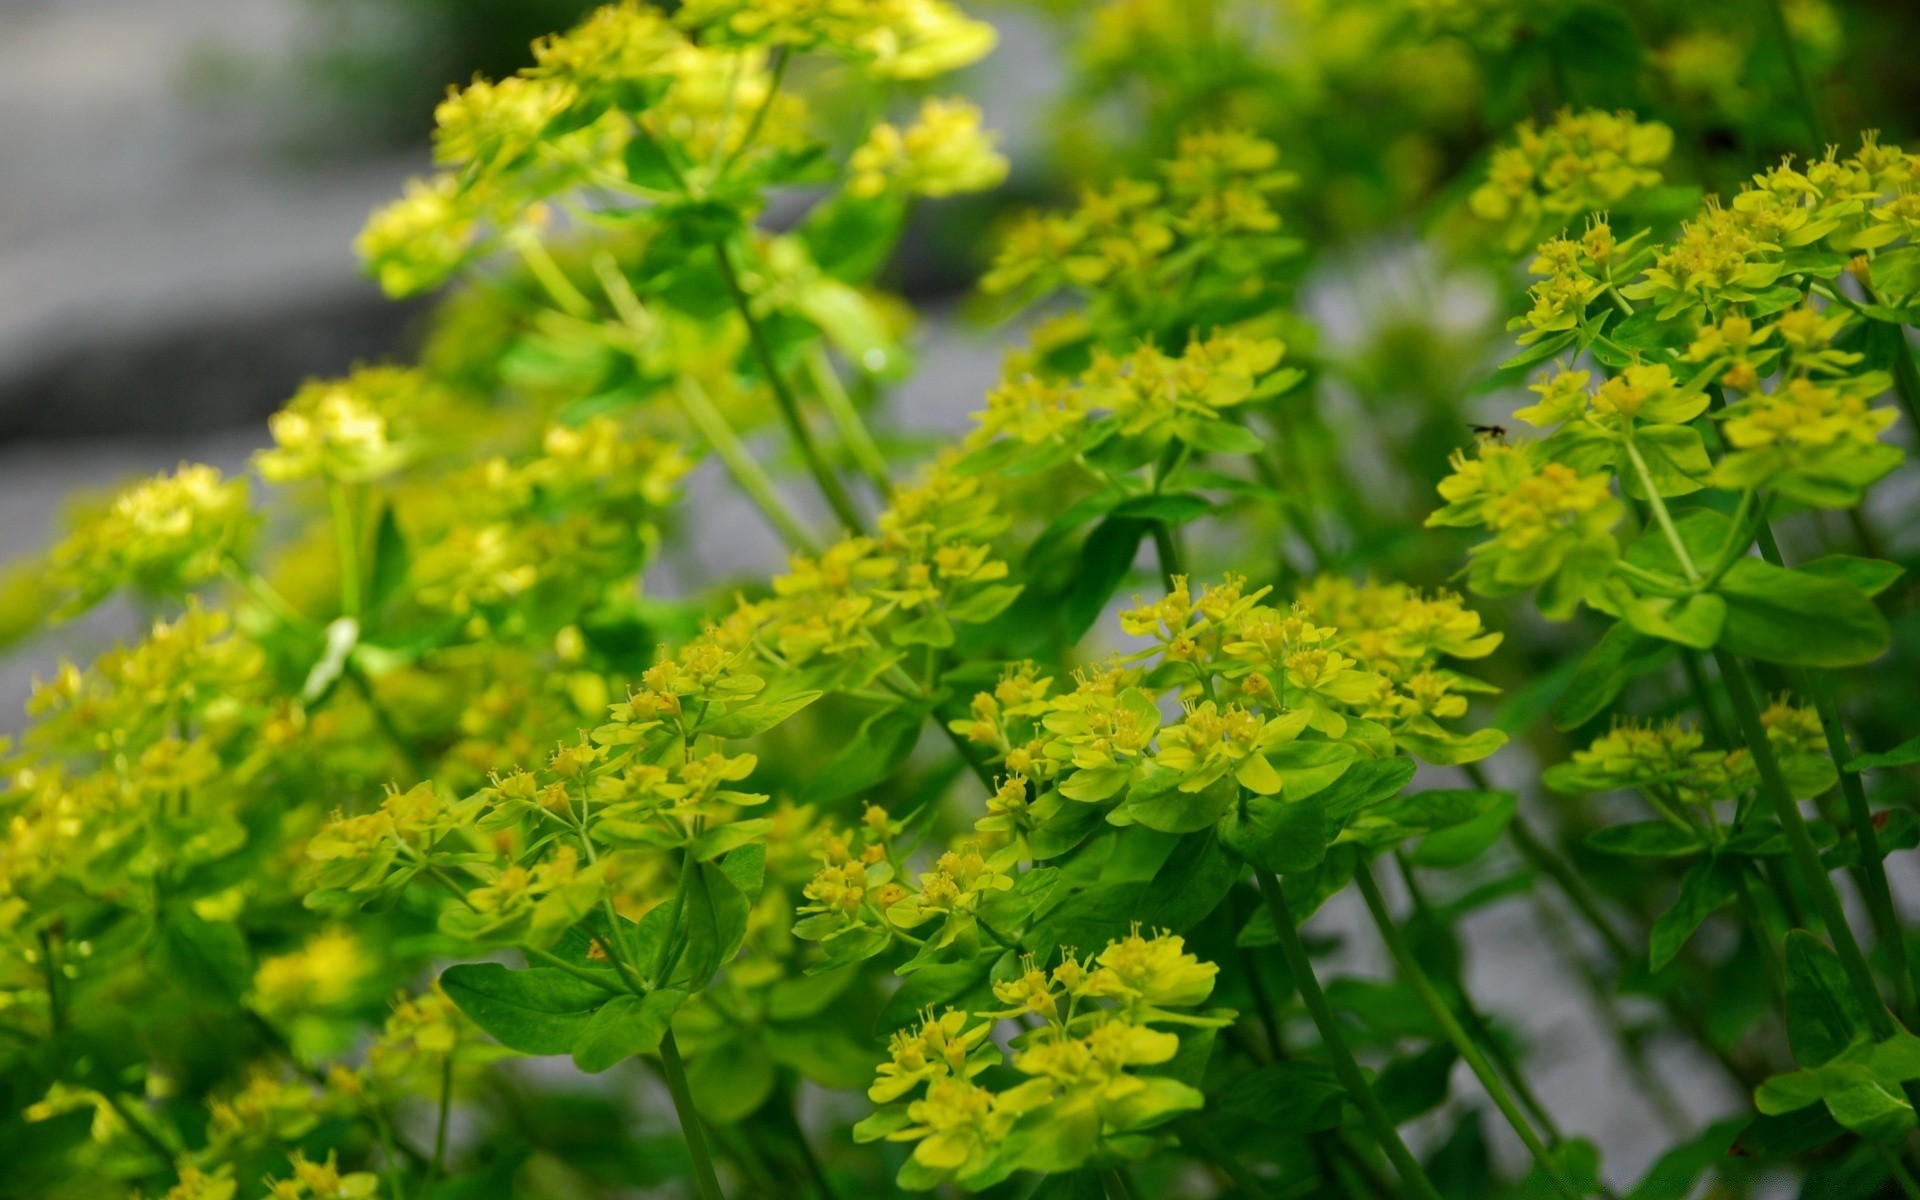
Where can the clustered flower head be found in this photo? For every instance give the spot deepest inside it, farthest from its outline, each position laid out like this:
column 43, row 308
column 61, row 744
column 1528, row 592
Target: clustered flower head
column 943, row 153
column 166, row 536
column 1670, row 759
column 1579, row 163
column 1095, row 1023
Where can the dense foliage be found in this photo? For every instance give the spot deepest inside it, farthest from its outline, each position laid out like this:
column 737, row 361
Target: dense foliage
column 430, row 844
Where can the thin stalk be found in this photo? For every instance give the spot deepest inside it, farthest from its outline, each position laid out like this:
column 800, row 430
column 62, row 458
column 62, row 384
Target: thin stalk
column 1477, row 1023
column 675, row 1071
column 1660, row 513
column 348, row 542
column 1169, row 553
column 830, row 485
column 1443, row 1015
column 853, row 430
column 815, row 1167
column 1873, row 871
column 1345, row 1068
column 570, row 299
column 746, row 470
column 779, row 71
column 1197, row 1131
column 1803, row 89
column 700, row 409
column 1769, row 954
column 1806, row 857
column 446, row 1114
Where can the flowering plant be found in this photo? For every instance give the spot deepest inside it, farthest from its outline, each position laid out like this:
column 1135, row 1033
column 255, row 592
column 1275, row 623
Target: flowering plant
column 926, row 862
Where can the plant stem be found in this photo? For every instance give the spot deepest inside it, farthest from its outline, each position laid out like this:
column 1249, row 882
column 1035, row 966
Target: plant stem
column 1451, row 1028
column 349, row 546
column 1901, row 1176
column 853, row 430
column 830, row 485
column 1806, row 857
column 740, row 463
column 446, row 1112
column 1345, row 1068
column 1169, row 554
column 1476, row 1022
column 1660, row 513
column 1873, row 871
column 561, row 964
column 706, row 1183
column 1810, row 108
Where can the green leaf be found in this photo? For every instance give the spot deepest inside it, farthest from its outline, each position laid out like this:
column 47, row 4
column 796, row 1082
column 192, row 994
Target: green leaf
column 757, row 717
column 390, row 561
column 731, row 836
column 870, row 757
column 1798, row 619
column 205, row 956
column 623, row 1027
column 1453, row 749
column 1368, row 782
column 1105, row 558
column 1175, row 508
column 1461, row 844
column 1678, row 1170
column 1823, row 1015
column 1416, row 1083
column 647, row 164
column 1676, row 459
column 1294, row 1097
column 986, row 604
column 1904, row 755
column 1620, row 656
column 1870, row 575
column 1157, row 801
column 731, row 1079
column 1277, row 834
column 1306, row 768
column 1219, row 436
column 1708, row 886
column 1694, row 620
column 1646, row 839
column 540, row 1010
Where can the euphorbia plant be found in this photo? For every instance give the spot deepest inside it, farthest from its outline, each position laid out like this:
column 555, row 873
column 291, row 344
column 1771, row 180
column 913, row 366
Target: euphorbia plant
column 927, row 861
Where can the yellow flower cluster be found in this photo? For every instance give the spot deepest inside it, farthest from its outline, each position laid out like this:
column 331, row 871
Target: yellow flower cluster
column 1581, row 162
column 351, row 430
column 166, row 536
column 1267, row 695
column 1095, row 1025
column 1669, row 760
column 943, row 153
column 1217, row 190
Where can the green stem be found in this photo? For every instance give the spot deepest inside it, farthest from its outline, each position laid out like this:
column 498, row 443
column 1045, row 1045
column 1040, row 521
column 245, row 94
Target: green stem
column 558, row 287
column 1169, row 553
column 349, row 546
column 1873, row 871
column 1476, row 1022
column 706, row 1183
column 1345, row 1068
column 830, row 485
column 139, row 1127
column 1806, row 857
column 780, row 58
column 1120, row 1184
column 1660, row 513
column 446, row 1113
column 1803, row 89
column 1443, row 1015
column 740, row 463
column 853, row 430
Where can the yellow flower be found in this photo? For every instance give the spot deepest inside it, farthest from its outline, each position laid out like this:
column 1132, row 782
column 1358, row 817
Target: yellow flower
column 1156, row 971
column 945, row 152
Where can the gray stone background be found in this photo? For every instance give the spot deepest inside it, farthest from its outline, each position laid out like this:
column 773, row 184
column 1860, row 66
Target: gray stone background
column 170, row 269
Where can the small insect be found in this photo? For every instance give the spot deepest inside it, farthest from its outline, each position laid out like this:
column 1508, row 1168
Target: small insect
column 1497, row 432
